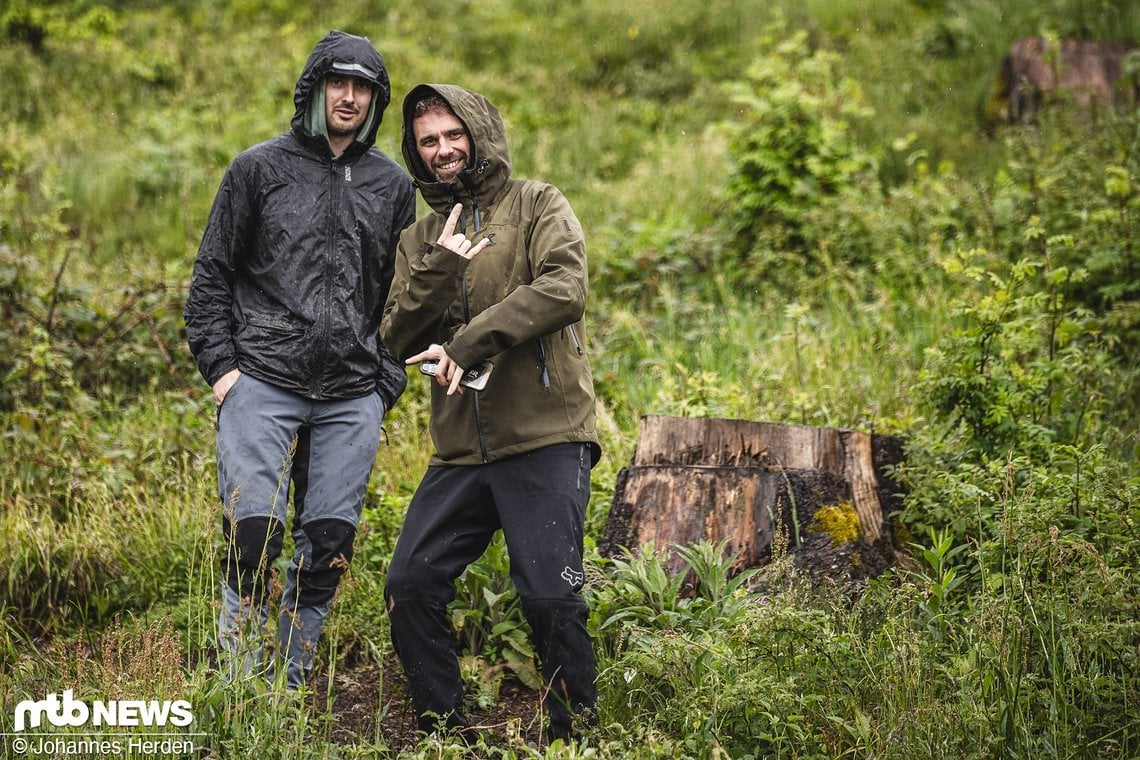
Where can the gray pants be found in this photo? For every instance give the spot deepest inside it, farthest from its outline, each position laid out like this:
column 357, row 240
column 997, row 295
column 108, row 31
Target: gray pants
column 269, row 438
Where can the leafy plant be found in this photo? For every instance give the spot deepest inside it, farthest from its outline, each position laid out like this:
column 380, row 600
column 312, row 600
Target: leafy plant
column 943, row 579
column 487, row 615
column 792, row 147
column 641, row 591
column 1080, row 210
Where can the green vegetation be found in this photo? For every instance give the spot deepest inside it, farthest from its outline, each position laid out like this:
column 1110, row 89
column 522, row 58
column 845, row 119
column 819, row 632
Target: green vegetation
column 795, row 215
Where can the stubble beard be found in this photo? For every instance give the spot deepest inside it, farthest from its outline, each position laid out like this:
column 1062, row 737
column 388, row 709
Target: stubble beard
column 455, row 175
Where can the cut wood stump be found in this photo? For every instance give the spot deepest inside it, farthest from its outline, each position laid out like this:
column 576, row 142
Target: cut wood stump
column 742, row 482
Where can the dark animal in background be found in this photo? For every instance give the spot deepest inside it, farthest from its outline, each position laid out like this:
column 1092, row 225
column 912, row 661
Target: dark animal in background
column 1038, row 70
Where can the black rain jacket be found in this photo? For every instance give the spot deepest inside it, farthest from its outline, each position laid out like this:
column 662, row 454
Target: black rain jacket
column 299, row 250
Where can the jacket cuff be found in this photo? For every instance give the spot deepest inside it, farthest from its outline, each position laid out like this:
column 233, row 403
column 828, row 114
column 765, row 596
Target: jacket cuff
column 391, row 380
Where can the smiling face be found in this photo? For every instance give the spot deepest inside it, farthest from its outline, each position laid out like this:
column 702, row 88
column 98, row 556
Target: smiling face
column 443, row 144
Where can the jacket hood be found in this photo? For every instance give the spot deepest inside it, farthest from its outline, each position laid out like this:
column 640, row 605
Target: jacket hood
column 348, row 54
column 489, row 165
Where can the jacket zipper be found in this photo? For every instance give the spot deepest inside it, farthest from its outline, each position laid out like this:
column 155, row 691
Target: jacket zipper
column 326, row 314
column 581, row 465
column 573, row 338
column 544, row 374
column 467, row 318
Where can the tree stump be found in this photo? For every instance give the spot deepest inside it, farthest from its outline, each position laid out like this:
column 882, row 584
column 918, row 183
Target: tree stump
column 738, row 481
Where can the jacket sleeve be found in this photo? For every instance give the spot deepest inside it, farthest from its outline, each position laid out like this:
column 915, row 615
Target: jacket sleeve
column 209, row 303
column 392, row 379
column 425, row 285
column 555, row 297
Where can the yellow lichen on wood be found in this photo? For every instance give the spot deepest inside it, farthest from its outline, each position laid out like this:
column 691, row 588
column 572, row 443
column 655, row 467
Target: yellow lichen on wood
column 839, row 521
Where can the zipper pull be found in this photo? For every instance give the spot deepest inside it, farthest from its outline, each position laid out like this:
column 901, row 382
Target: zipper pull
column 574, row 337
column 545, row 374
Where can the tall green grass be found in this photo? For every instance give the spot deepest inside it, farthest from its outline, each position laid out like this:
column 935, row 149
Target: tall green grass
column 1012, row 633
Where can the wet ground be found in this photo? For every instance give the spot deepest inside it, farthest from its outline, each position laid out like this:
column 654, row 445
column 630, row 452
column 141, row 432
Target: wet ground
column 369, row 707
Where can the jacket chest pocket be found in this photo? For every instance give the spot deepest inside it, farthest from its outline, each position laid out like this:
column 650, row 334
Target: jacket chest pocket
column 498, row 269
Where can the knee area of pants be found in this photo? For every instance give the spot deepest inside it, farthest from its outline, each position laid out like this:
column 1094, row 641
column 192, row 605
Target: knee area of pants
column 417, row 588
column 327, row 558
column 251, row 547
column 254, row 538
column 330, row 543
column 397, row 586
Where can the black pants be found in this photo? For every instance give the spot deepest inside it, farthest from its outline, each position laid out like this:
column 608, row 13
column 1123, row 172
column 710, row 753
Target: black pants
column 538, row 499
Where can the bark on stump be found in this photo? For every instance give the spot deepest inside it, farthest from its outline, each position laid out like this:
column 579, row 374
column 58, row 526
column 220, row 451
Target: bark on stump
column 826, row 489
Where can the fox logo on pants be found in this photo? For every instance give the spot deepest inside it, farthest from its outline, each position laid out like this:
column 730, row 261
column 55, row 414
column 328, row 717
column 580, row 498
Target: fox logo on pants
column 573, row 577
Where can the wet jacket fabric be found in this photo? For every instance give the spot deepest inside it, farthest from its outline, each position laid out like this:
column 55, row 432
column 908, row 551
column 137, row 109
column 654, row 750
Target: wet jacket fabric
column 518, row 303
column 299, row 250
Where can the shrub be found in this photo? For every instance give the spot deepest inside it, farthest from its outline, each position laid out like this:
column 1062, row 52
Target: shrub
column 791, row 147
column 59, row 342
column 1019, row 374
column 1070, row 197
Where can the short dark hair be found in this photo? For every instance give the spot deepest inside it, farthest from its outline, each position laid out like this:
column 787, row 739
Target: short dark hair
column 430, row 103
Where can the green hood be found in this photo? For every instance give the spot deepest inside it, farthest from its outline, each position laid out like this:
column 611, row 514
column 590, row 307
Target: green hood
column 489, row 165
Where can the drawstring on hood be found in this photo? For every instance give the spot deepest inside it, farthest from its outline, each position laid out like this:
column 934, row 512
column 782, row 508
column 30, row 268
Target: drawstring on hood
column 315, row 115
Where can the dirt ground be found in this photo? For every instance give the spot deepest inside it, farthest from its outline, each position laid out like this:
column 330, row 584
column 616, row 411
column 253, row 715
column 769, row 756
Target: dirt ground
column 357, row 693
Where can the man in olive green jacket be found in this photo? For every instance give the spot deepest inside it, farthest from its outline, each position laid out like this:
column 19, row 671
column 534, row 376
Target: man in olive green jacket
column 497, row 274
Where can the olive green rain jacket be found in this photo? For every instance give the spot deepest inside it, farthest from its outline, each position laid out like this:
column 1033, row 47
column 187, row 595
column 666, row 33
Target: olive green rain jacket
column 518, row 303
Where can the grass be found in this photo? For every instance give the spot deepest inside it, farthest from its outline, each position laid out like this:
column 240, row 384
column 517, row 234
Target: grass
column 109, row 513
column 784, row 362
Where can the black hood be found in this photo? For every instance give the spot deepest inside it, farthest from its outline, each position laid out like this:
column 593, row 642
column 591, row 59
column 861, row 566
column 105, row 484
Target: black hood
column 349, row 54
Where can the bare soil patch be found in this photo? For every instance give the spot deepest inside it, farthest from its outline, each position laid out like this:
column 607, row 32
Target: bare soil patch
column 369, row 703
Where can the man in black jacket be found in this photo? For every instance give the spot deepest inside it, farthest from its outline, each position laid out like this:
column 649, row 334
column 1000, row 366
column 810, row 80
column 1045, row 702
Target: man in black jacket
column 282, row 317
